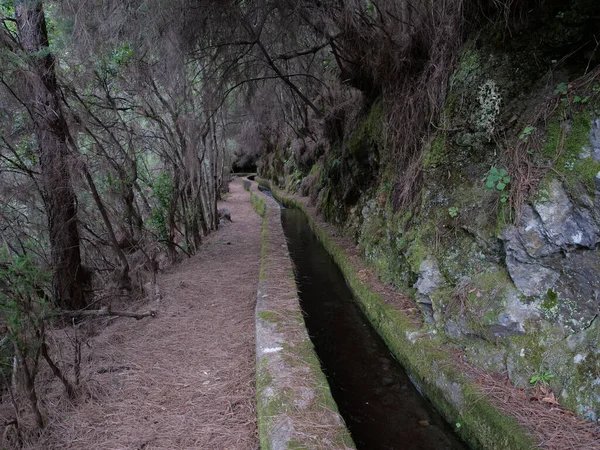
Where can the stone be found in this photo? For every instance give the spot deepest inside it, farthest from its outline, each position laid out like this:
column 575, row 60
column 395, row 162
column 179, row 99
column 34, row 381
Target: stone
column 224, row 214
column 546, row 230
column 595, row 140
column 564, row 226
column 429, row 280
column 485, row 355
column 576, row 363
column 533, row 236
column 528, row 274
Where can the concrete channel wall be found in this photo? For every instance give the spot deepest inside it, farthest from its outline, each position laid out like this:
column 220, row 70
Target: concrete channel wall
column 453, row 393
column 294, row 404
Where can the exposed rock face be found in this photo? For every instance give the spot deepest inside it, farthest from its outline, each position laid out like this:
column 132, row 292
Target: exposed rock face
column 430, row 279
column 530, row 305
column 554, row 248
column 576, row 360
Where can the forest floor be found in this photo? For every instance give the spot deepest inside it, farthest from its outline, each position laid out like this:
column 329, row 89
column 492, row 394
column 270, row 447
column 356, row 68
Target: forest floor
column 185, row 379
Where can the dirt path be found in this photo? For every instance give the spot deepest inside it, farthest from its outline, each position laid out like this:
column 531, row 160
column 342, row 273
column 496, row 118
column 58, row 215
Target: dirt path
column 184, row 380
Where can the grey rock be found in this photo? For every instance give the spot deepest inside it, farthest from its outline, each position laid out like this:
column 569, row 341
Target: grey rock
column 531, row 279
column 593, row 151
column 224, row 214
column 486, row 356
column 562, row 224
column 516, row 312
column 527, row 273
column 452, row 329
column 430, row 278
column 514, row 362
column 578, row 353
column 532, row 234
column 553, row 226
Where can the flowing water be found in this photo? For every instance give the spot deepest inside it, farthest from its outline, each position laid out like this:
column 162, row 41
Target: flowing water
column 380, row 405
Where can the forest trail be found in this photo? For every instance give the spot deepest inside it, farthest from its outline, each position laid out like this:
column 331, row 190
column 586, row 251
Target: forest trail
column 186, row 378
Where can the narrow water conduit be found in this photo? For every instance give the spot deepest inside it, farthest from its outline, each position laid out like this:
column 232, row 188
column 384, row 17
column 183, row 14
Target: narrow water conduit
column 381, row 407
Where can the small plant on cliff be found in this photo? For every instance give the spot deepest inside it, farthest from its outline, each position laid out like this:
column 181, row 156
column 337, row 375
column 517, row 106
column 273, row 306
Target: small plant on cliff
column 526, row 132
column 579, row 99
column 561, row 89
column 498, row 180
column 542, row 379
column 453, row 211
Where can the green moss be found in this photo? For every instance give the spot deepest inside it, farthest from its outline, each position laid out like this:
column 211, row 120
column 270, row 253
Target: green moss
column 435, row 154
column 265, row 410
column 468, row 67
column 416, row 254
column 295, row 445
column 303, row 355
column 259, row 204
column 316, row 169
column 565, row 141
column 269, row 316
column 263, row 251
column 369, row 132
column 550, row 301
column 585, row 171
column 531, row 346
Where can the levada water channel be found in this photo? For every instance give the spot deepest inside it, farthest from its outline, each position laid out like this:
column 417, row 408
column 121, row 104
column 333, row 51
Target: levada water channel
column 379, row 403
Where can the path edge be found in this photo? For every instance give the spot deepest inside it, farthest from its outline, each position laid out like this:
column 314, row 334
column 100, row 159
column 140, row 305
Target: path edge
column 281, row 340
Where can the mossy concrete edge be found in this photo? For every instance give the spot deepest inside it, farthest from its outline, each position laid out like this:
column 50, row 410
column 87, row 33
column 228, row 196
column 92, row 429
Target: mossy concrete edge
column 459, row 400
column 280, row 359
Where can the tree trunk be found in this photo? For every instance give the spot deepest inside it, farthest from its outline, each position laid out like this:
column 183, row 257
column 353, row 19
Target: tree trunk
column 69, row 277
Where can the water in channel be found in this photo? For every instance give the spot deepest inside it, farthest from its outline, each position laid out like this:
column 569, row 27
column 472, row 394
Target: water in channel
column 375, row 396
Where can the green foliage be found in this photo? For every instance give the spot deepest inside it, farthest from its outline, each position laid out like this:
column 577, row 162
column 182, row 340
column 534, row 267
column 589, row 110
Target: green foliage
column 498, row 180
column 564, row 143
column 578, row 99
column 542, row 379
column 162, row 191
column 259, row 204
column 246, row 185
column 561, row 89
column 453, row 211
column 112, row 63
column 550, row 301
column 22, row 298
column 526, row 132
